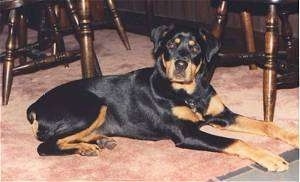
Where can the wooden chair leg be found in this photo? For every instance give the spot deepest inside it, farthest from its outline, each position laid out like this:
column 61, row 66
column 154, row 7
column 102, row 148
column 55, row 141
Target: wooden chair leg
column 149, row 15
column 219, row 24
column 86, row 40
column 74, row 19
column 42, row 30
column 217, row 31
column 22, row 36
column 9, row 58
column 56, row 13
column 287, row 34
column 118, row 23
column 247, row 26
column 271, row 48
column 54, row 23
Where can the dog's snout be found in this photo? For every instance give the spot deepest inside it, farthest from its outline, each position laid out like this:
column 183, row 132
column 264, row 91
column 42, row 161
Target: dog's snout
column 180, row 65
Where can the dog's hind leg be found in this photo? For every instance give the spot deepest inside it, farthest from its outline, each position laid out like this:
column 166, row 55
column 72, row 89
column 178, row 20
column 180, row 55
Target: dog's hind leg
column 221, row 117
column 76, row 143
column 79, row 140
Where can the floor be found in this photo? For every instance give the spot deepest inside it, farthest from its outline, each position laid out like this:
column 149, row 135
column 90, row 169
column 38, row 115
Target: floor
column 256, row 173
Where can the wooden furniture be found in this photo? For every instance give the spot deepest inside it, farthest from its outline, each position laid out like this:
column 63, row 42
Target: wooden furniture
column 275, row 8
column 17, row 30
column 53, row 38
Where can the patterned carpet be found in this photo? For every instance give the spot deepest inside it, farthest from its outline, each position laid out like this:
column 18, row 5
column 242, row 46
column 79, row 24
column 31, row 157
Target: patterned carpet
column 239, row 88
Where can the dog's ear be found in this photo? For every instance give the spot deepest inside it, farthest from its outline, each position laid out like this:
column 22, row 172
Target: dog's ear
column 211, row 44
column 157, row 35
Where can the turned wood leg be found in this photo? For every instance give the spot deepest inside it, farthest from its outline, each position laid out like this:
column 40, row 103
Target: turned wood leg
column 217, row 31
column 287, row 34
column 22, row 36
column 149, row 15
column 56, row 49
column 71, row 10
column 118, row 23
column 9, row 58
column 86, row 40
column 54, row 23
column 271, row 48
column 42, row 32
column 247, row 27
column 220, row 21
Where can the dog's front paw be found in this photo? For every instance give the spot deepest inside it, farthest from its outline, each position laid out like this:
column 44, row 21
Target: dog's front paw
column 271, row 161
column 293, row 139
column 87, row 149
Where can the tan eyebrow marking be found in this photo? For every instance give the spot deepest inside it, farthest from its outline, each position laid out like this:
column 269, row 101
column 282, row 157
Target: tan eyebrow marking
column 192, row 42
column 177, row 40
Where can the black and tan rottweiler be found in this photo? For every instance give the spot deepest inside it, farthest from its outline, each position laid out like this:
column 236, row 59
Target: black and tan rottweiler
column 171, row 100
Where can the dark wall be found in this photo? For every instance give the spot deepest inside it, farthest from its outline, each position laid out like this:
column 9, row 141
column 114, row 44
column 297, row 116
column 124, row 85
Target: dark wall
column 202, row 11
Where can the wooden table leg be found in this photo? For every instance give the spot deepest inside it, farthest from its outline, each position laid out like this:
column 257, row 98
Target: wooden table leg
column 9, row 58
column 118, row 23
column 271, row 48
column 220, row 21
column 22, row 36
column 247, row 27
column 86, row 40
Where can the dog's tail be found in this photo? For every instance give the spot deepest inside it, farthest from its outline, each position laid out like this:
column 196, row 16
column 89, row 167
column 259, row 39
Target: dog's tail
column 31, row 114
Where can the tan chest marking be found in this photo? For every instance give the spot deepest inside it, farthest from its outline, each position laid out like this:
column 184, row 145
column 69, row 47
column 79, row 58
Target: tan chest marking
column 185, row 113
column 215, row 106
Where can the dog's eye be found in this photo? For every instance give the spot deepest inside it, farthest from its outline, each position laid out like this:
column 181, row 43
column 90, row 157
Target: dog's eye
column 195, row 48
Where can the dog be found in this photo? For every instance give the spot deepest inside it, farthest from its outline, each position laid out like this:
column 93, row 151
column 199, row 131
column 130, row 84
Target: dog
column 171, row 100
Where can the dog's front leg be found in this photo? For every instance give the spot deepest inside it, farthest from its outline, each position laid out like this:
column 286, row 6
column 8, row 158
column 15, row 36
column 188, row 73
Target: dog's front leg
column 238, row 123
column 194, row 139
column 219, row 116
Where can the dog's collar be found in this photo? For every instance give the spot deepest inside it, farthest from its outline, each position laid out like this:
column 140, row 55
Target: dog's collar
column 200, row 103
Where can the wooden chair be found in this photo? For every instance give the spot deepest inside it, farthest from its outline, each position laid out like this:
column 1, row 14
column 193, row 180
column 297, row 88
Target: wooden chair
column 80, row 20
column 275, row 9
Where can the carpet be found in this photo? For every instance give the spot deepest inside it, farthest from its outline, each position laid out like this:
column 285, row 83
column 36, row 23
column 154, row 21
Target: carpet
column 239, row 88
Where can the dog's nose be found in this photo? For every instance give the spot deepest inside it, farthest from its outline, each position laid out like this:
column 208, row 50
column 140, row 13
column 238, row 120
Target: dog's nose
column 180, row 65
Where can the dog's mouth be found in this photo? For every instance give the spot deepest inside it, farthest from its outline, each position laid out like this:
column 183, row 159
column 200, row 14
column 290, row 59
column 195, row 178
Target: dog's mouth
column 180, row 77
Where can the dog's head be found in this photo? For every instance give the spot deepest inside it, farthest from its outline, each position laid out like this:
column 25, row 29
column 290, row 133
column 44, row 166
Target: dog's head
column 182, row 53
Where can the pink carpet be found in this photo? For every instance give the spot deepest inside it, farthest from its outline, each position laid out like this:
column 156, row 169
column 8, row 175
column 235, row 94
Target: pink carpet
column 240, row 89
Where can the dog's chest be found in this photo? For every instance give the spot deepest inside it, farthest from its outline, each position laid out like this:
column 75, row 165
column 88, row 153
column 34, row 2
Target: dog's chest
column 194, row 107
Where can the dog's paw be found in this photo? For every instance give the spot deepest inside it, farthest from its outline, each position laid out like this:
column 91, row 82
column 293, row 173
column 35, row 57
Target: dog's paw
column 272, row 162
column 293, row 140
column 108, row 143
column 87, row 149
